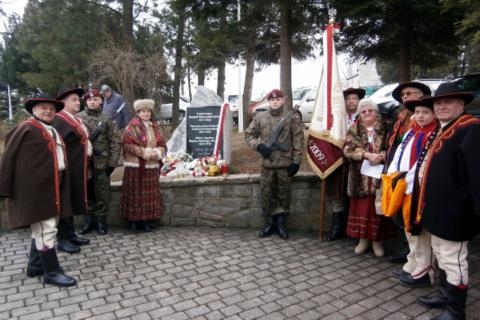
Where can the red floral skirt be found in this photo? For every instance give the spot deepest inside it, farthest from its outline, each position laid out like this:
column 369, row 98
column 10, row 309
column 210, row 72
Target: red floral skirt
column 365, row 223
column 141, row 199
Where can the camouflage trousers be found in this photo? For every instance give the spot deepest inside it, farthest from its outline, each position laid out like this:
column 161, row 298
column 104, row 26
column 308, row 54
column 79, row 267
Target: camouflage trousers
column 275, row 190
column 99, row 194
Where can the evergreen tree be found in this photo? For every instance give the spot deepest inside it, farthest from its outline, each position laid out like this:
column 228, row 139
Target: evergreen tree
column 410, row 33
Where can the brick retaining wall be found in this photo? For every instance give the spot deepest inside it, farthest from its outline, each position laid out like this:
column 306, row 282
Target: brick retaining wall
column 230, row 201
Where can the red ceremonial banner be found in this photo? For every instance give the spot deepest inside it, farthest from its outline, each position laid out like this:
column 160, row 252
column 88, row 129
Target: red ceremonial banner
column 328, row 128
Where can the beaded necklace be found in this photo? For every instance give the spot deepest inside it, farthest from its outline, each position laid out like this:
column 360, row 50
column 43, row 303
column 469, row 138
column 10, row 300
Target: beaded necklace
column 424, row 152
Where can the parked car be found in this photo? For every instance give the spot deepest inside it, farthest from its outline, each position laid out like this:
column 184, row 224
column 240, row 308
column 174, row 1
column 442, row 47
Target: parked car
column 232, row 100
column 471, row 83
column 166, row 110
column 307, row 104
column 388, row 105
column 260, row 102
column 298, row 94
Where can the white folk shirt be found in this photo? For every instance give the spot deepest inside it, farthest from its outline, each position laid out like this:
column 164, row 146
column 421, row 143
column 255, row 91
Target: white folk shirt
column 350, row 119
column 60, row 146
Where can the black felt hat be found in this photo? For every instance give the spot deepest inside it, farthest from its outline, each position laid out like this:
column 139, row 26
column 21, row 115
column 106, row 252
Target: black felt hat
column 30, row 103
column 358, row 91
column 412, row 84
column 422, row 102
column 65, row 92
column 451, row 90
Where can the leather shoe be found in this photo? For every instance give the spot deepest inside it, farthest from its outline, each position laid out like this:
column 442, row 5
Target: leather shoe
column 68, row 247
column 78, row 241
column 437, row 299
column 415, row 283
column 59, row 279
column 399, row 272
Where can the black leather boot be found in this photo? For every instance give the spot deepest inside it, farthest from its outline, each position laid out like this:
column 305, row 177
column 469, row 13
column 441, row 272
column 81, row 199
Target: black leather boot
column 72, row 236
column 53, row 274
column 401, row 256
column 282, row 232
column 34, row 267
column 62, row 236
column 267, row 230
column 437, row 299
column 88, row 224
column 101, row 225
column 339, row 225
column 456, row 300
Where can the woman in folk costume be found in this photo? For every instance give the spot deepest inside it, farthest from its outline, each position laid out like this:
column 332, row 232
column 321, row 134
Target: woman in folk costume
column 144, row 147
column 365, row 142
column 415, row 272
column 34, row 177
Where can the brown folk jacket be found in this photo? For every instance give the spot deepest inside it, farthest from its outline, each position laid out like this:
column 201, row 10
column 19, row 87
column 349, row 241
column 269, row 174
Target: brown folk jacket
column 29, row 176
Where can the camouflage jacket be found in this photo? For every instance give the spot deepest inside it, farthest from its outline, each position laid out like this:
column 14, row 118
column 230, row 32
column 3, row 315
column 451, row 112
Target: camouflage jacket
column 262, row 126
column 108, row 144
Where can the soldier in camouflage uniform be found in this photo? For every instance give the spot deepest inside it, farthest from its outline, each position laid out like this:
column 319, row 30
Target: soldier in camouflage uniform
column 278, row 167
column 106, row 151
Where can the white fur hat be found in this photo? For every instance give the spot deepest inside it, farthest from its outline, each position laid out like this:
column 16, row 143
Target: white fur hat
column 142, row 104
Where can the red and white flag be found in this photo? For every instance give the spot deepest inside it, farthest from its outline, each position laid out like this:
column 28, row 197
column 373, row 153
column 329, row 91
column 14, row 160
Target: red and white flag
column 327, row 131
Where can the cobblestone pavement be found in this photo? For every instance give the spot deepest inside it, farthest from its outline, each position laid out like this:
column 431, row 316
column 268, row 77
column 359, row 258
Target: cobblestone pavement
column 204, row 273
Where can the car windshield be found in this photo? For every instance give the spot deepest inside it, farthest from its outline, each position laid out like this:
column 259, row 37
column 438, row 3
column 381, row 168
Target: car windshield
column 299, row 93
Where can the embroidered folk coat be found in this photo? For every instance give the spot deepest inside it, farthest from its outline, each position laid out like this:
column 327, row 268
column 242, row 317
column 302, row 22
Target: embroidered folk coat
column 29, row 176
column 447, row 202
column 76, row 142
column 356, row 144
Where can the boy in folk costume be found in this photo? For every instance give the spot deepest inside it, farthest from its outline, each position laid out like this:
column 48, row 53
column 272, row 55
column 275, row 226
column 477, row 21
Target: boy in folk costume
column 404, row 92
column 415, row 272
column 34, row 176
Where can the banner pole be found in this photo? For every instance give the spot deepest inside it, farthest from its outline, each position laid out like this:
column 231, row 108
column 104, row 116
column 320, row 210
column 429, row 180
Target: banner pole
column 323, row 188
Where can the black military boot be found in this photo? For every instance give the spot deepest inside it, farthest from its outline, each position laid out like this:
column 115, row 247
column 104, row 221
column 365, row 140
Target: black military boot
column 88, row 224
column 282, row 232
column 62, row 236
column 72, row 236
column 339, row 225
column 34, row 267
column 53, row 274
column 101, row 225
column 267, row 230
column 437, row 299
column 456, row 300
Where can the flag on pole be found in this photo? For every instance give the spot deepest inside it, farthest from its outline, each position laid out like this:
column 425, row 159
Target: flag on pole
column 328, row 128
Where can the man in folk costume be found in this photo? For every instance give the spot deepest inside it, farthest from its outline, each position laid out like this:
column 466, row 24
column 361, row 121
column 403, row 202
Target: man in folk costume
column 404, row 92
column 106, row 151
column 337, row 181
column 278, row 166
column 445, row 200
column 75, row 135
column 34, row 177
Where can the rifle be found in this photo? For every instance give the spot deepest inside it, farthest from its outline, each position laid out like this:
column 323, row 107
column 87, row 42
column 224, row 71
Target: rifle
column 271, row 141
column 96, row 132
